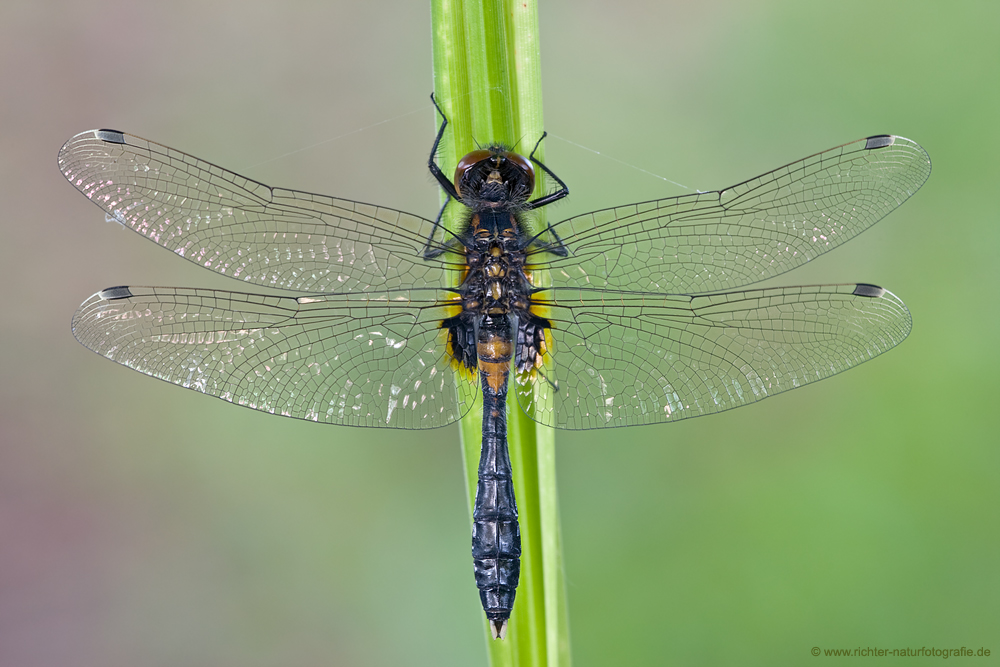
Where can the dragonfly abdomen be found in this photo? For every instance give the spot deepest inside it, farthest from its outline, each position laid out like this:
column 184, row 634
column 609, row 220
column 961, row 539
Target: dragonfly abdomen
column 496, row 537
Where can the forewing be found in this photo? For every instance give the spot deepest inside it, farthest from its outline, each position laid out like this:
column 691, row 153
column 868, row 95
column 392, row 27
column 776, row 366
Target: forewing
column 716, row 241
column 357, row 360
column 623, row 359
column 245, row 229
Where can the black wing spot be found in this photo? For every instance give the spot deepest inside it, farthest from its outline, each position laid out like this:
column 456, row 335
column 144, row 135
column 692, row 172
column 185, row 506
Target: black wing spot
column 864, row 289
column 879, row 141
column 111, row 136
column 113, row 293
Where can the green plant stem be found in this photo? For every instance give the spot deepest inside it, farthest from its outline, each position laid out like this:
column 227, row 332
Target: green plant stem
column 487, row 80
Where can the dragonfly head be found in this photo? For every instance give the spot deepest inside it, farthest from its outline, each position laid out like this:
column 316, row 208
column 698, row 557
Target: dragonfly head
column 495, row 177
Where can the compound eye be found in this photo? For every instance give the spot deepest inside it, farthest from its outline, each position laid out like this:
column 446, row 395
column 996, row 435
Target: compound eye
column 524, row 164
column 467, row 163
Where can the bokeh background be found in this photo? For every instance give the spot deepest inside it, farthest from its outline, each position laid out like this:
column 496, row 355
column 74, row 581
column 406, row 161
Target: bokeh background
column 141, row 524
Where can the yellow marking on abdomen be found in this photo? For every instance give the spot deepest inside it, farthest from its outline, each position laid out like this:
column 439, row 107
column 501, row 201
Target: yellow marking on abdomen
column 496, row 374
column 494, row 361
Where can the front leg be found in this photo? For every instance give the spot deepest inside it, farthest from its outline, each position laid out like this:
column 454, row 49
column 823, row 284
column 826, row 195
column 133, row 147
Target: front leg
column 433, row 249
column 448, row 186
column 544, row 200
column 557, row 247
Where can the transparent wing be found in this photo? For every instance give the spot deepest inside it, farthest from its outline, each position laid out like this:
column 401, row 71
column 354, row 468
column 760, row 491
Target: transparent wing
column 245, row 229
column 622, row 359
column 716, row 241
column 358, row 360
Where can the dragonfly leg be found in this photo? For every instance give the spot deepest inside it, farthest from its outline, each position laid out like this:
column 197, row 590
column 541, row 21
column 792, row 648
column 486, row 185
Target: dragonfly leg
column 563, row 190
column 557, row 247
column 432, row 249
column 448, row 186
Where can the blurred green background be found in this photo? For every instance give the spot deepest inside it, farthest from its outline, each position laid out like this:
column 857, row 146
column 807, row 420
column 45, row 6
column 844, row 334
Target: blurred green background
column 141, row 524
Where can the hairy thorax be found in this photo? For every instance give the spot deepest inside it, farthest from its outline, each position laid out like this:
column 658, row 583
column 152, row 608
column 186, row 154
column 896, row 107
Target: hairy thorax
column 497, row 285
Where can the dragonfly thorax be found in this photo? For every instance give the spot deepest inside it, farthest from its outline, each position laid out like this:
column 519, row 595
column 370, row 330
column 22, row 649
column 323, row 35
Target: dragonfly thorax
column 497, row 288
column 496, row 281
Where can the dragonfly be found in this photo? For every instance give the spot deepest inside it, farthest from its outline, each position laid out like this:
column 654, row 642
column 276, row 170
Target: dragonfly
column 362, row 315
